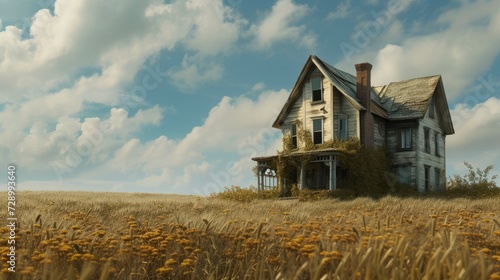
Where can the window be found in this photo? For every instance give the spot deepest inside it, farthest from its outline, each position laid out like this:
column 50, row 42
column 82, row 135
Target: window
column 432, row 108
column 404, row 138
column 436, row 144
column 437, row 178
column 427, row 177
column 293, row 133
column 342, row 128
column 403, row 174
column 427, row 140
column 317, row 89
column 317, row 131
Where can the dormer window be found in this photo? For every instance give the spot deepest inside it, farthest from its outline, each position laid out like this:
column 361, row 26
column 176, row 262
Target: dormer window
column 317, row 89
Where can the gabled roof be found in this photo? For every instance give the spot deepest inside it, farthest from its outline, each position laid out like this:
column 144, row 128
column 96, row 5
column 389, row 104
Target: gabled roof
column 410, row 99
column 343, row 81
column 397, row 101
column 340, row 79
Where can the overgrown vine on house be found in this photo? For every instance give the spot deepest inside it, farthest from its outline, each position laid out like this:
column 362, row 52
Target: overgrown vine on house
column 366, row 168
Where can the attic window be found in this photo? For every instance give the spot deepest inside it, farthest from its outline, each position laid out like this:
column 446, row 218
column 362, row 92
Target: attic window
column 317, row 89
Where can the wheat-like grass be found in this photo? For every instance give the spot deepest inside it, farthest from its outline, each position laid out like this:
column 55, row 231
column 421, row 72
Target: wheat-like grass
column 77, row 235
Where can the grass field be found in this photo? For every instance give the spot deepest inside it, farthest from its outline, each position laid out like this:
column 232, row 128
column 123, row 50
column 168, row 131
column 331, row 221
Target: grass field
column 77, row 235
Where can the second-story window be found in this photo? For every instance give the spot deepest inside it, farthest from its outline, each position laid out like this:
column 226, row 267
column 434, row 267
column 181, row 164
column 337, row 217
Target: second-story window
column 317, row 89
column 436, row 144
column 427, row 140
column 404, row 138
column 293, row 133
column 317, row 131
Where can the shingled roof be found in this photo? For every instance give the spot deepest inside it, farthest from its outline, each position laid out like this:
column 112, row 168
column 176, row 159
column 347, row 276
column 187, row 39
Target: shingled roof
column 401, row 100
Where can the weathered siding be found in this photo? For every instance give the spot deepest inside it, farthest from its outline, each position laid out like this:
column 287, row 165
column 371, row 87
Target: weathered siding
column 399, row 157
column 430, row 159
column 379, row 131
column 342, row 107
column 304, row 110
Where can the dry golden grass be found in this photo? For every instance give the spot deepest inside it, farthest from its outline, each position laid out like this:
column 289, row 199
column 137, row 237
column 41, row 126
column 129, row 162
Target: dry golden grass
column 77, row 235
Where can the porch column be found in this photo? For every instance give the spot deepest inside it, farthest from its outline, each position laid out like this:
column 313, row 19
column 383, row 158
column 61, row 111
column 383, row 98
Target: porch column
column 302, row 179
column 333, row 172
column 258, row 177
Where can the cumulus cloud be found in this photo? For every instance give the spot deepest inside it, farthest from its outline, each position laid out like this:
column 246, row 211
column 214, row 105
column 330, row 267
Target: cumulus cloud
column 194, row 71
column 342, row 11
column 231, row 130
column 476, row 135
column 453, row 51
column 73, row 37
column 280, row 24
column 69, row 60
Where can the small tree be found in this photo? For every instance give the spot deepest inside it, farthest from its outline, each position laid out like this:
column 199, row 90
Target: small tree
column 474, row 179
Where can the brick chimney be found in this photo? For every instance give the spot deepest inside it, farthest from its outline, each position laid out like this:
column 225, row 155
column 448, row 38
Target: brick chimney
column 363, row 88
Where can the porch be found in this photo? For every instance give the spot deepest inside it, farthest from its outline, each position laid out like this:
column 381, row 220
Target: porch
column 316, row 169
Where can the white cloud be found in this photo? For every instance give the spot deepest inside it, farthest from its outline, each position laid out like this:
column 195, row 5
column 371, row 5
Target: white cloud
column 74, row 38
column 258, row 86
column 342, row 11
column 194, row 71
column 476, row 136
column 453, row 51
column 231, row 130
column 279, row 25
column 212, row 33
column 73, row 143
column 42, row 84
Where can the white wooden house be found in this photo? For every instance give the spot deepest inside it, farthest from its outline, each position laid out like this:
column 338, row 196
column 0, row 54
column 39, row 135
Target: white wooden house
column 410, row 118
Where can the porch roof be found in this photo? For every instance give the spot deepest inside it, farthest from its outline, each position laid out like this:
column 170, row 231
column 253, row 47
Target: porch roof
column 318, row 152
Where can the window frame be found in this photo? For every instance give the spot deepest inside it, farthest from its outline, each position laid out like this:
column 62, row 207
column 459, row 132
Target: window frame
column 400, row 138
column 316, row 131
column 320, row 88
column 437, row 178
column 427, row 177
column 436, row 144
column 398, row 169
column 427, row 140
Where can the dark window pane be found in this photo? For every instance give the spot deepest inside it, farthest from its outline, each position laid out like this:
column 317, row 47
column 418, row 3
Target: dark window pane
column 427, row 179
column 405, row 138
column 317, row 137
column 316, row 95
column 427, row 141
column 316, row 89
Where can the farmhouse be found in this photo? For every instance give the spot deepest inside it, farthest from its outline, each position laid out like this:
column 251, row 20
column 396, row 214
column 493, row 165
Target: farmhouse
column 409, row 118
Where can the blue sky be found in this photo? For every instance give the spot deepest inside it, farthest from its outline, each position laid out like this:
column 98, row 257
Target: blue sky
column 177, row 96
